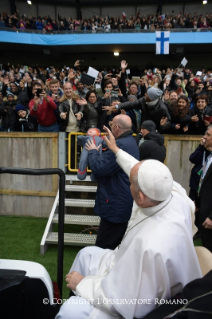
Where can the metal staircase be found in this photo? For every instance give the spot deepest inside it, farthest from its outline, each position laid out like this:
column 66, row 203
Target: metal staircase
column 73, row 214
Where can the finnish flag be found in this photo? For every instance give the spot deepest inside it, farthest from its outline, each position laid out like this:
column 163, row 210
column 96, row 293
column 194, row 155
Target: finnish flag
column 162, row 42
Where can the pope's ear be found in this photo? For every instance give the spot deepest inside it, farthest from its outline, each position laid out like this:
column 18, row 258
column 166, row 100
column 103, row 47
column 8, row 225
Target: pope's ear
column 141, row 196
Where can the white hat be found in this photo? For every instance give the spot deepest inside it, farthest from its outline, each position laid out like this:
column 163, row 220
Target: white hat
column 155, row 180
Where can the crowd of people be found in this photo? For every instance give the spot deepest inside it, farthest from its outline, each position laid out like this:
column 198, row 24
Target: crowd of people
column 176, row 100
column 147, row 220
column 96, row 23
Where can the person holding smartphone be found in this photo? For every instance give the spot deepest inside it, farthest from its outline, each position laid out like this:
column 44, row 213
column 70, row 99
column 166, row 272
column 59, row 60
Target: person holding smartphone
column 43, row 107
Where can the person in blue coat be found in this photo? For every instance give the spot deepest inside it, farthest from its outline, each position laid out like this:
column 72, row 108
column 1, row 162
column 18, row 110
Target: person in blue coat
column 113, row 201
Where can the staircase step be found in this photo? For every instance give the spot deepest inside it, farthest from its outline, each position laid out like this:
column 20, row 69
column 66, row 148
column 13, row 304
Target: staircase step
column 78, row 219
column 72, row 239
column 73, row 177
column 75, row 202
column 80, row 188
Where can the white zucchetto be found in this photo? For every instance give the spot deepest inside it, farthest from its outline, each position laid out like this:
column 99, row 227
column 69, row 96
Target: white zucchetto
column 155, row 180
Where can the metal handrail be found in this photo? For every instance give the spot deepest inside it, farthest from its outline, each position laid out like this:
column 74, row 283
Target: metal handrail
column 49, row 171
column 75, row 134
column 103, row 31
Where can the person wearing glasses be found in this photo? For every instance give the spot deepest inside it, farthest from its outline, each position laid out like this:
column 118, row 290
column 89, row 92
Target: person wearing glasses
column 92, row 114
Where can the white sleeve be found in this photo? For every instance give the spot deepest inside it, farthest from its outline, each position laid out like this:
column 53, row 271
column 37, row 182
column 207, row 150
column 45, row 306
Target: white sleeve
column 125, row 161
column 90, row 289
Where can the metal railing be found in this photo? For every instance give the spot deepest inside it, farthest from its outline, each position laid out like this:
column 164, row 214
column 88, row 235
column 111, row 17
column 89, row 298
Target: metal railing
column 73, row 167
column 103, row 31
column 50, row 171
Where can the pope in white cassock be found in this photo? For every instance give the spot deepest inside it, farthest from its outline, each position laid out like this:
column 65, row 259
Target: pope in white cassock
column 156, row 258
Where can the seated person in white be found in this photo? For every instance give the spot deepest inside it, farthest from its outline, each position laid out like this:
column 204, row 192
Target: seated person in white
column 156, row 258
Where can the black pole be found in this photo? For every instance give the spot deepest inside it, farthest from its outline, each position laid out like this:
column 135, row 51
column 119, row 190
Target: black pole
column 49, row 171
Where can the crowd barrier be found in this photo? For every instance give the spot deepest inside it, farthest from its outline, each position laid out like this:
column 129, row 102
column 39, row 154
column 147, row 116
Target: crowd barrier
column 179, row 36
column 103, row 31
column 34, row 196
column 24, row 195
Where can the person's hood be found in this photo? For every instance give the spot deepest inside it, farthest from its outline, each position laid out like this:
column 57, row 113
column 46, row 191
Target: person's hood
column 156, row 137
column 6, row 100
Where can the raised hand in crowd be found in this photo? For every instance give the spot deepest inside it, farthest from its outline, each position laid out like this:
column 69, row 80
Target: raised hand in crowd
column 6, row 81
column 108, row 76
column 28, row 79
column 107, row 94
column 77, row 63
column 81, row 101
column 124, row 65
column 71, row 75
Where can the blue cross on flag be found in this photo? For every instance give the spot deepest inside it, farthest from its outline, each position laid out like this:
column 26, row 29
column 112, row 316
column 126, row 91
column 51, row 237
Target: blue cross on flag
column 162, row 42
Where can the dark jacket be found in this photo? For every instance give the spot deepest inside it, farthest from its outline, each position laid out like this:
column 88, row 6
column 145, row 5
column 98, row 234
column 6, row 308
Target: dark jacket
column 185, row 121
column 193, row 290
column 93, row 116
column 153, row 113
column 65, row 107
column 9, row 116
column 27, row 124
column 206, row 196
column 104, row 118
column 113, row 198
column 196, row 158
column 199, row 127
column 209, row 94
column 22, row 96
column 153, row 147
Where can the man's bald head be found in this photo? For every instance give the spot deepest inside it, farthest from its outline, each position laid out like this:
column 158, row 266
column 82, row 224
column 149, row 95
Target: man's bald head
column 121, row 123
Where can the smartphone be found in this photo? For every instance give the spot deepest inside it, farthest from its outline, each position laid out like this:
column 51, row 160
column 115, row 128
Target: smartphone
column 114, row 94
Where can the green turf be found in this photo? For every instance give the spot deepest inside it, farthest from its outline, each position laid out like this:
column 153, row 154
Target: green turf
column 20, row 239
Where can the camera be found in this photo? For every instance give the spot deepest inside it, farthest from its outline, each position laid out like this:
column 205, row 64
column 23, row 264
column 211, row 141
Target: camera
column 39, row 91
column 81, row 61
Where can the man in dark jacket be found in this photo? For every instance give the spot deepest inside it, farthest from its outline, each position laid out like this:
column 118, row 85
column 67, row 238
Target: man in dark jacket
column 205, row 194
column 113, row 198
column 7, row 111
column 151, row 143
column 151, row 106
